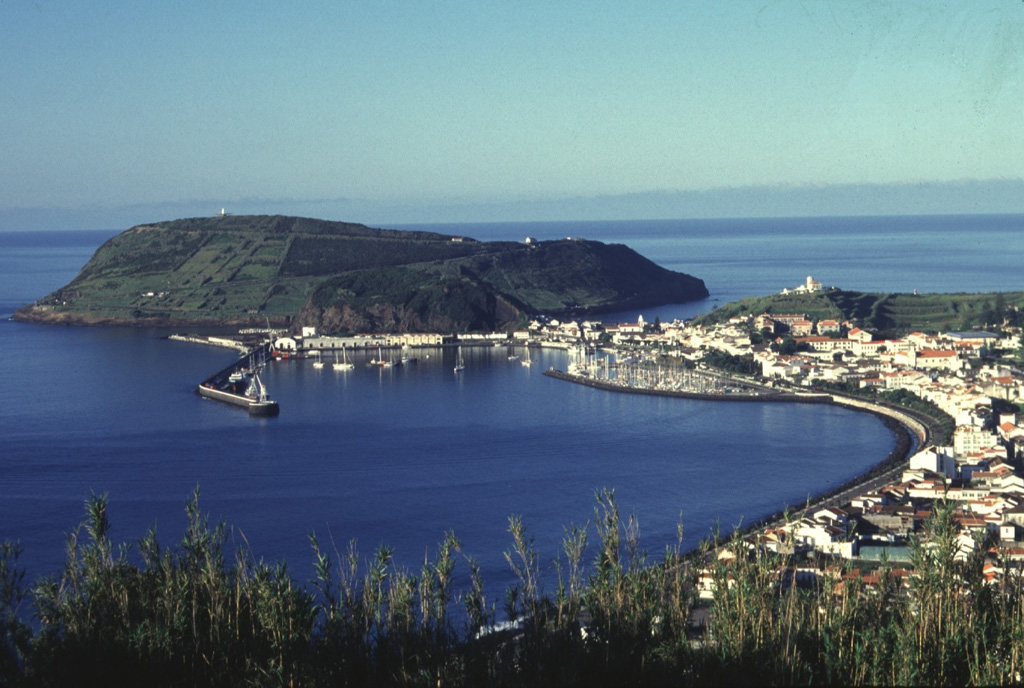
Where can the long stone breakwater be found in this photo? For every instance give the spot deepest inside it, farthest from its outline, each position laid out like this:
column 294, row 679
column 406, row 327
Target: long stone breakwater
column 910, row 429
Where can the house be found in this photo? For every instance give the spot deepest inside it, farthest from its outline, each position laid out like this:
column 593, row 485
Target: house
column 810, row 534
column 970, row 439
column 825, row 344
column 766, row 322
column 897, row 519
column 974, row 338
column 936, row 359
column 935, row 459
column 801, row 328
column 1002, row 387
column 773, row 320
column 826, row 327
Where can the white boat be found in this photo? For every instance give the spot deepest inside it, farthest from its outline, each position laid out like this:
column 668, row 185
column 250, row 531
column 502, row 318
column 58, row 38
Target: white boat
column 240, row 375
column 318, row 363
column 460, row 364
column 526, row 361
column 343, row 364
column 379, row 361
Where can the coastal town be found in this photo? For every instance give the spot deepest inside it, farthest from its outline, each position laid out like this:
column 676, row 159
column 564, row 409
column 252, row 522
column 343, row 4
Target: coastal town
column 969, row 377
column 975, row 470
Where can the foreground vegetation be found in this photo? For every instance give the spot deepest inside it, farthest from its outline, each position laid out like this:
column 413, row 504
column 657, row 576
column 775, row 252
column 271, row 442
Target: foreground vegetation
column 192, row 615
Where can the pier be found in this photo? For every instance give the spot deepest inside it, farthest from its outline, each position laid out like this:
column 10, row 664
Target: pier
column 240, row 385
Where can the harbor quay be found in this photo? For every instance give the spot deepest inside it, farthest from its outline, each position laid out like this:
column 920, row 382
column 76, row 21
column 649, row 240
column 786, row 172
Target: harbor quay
column 240, row 384
column 308, row 342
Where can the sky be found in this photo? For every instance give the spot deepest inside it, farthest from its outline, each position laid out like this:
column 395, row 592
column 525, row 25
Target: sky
column 122, row 112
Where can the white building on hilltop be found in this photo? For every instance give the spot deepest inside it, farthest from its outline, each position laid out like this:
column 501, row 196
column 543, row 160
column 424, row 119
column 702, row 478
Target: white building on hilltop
column 809, row 286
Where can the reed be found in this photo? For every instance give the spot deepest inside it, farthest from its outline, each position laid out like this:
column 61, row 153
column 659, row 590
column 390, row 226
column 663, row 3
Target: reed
column 193, row 614
column 15, row 634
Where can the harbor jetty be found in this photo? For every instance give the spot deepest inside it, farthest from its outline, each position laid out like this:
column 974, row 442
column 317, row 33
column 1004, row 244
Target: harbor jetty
column 707, row 387
column 911, row 429
column 240, row 384
column 209, row 340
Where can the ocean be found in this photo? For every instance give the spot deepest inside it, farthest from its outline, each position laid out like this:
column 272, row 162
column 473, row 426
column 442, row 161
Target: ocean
column 398, row 457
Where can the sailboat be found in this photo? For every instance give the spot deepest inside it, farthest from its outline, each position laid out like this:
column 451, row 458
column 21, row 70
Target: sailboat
column 379, row 361
column 344, row 363
column 526, row 361
column 460, row 364
column 318, row 363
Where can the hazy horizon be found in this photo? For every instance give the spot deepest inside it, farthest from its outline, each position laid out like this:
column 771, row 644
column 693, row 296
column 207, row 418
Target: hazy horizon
column 953, row 198
column 119, row 114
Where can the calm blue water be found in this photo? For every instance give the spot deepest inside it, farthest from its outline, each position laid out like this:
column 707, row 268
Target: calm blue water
column 402, row 455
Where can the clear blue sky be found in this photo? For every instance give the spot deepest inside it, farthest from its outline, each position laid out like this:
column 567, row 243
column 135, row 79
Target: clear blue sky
column 165, row 106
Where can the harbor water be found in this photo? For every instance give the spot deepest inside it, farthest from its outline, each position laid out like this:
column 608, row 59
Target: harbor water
column 399, row 456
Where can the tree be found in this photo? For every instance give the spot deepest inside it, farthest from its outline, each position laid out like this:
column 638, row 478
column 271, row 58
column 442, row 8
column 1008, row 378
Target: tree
column 787, row 347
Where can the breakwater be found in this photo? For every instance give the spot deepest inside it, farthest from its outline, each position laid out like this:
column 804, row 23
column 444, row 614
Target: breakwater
column 910, row 429
column 240, row 385
column 209, row 340
column 752, row 393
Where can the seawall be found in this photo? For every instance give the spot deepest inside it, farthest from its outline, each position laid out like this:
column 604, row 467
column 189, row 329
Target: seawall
column 910, row 429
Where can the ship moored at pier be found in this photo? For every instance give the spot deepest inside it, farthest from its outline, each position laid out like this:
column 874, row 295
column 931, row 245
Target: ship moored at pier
column 240, row 385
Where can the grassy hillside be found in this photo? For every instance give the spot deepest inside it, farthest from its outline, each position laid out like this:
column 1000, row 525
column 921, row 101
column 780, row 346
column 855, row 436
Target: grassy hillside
column 885, row 313
column 347, row 277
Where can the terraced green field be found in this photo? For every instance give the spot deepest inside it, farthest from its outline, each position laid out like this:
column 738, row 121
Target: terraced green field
column 346, row 277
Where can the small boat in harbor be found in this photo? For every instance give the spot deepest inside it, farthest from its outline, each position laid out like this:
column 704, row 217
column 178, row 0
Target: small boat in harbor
column 380, row 361
column 460, row 363
column 344, row 363
column 239, row 375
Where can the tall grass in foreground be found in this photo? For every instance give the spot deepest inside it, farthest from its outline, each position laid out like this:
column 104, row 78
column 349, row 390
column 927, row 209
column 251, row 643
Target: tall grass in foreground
column 196, row 615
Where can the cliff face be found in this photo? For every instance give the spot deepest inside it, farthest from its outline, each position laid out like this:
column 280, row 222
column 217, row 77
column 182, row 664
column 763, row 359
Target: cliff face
column 345, row 277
